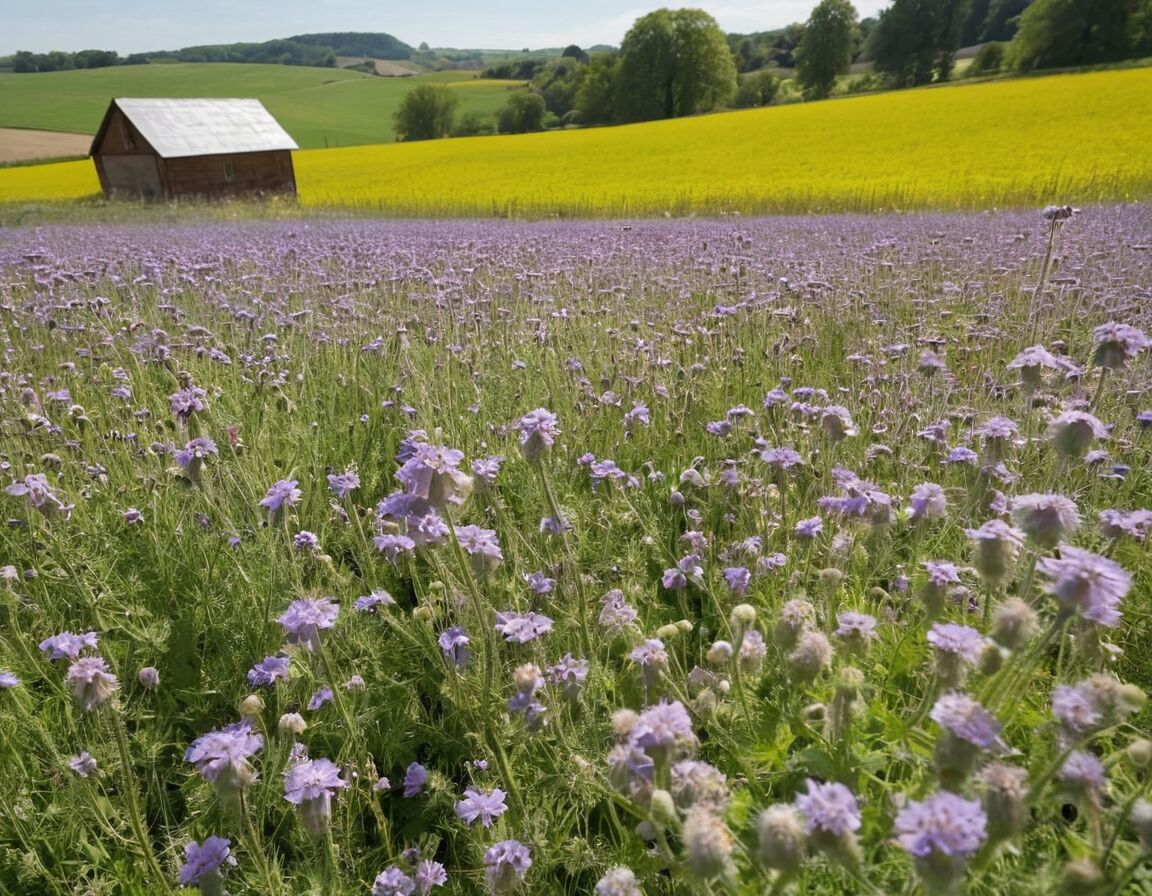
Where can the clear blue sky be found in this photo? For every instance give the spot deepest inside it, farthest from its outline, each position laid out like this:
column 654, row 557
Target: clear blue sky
column 131, row 26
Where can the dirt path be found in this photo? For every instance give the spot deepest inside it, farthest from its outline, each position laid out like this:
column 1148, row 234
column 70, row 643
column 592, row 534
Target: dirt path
column 19, row 145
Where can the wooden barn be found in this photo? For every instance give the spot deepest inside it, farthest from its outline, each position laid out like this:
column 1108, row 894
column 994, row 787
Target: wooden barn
column 165, row 148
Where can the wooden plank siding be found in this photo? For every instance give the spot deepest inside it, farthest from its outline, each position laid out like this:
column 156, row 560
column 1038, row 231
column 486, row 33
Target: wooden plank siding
column 128, row 165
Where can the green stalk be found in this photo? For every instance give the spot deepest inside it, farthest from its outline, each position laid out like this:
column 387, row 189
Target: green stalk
column 135, row 816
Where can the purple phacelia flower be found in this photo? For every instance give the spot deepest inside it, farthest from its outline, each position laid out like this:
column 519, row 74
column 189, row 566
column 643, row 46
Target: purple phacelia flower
column 343, row 484
column 479, row 806
column 304, row 619
column 505, row 864
column 538, row 431
column 203, row 861
column 67, row 646
column 961, row 641
column 370, row 603
column 454, row 642
column 944, row 824
column 322, row 696
column 221, row 756
column 829, row 808
column 966, row 719
column 520, row 628
column 415, row 777
column 1086, row 584
column 280, row 495
column 268, row 671
column 187, row 402
column 83, row 765
column 91, row 682
column 393, row 882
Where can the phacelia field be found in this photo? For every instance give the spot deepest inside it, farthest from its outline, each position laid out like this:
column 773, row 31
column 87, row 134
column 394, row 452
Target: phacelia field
column 736, row 556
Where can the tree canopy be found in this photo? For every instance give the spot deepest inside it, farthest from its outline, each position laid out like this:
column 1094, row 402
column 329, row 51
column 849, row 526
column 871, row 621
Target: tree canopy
column 673, row 63
column 825, row 49
column 1056, row 33
column 425, row 113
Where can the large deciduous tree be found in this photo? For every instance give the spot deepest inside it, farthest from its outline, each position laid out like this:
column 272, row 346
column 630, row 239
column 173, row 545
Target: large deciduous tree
column 825, row 50
column 1080, row 32
column 673, row 63
column 425, row 113
column 915, row 41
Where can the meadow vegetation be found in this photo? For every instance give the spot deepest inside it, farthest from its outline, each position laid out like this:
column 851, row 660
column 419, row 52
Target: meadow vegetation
column 675, row 557
column 319, row 107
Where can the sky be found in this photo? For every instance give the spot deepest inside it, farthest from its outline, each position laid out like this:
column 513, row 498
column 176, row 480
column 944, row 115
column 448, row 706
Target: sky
column 136, row 26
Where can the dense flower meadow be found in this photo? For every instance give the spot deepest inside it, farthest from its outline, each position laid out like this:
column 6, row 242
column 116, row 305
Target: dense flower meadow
column 732, row 556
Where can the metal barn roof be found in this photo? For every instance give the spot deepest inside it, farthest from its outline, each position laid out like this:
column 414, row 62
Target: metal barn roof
column 199, row 127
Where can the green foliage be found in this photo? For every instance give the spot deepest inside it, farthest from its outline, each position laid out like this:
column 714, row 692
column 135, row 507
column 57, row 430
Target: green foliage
column 915, row 41
column 574, row 52
column 559, row 82
column 989, row 60
column 1057, row 33
column 522, row 114
column 766, row 48
column 473, row 124
column 425, row 113
column 825, row 50
column 318, row 107
column 756, row 90
column 673, row 63
column 596, row 95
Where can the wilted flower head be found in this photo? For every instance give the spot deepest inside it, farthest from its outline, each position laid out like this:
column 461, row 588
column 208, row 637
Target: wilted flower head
column 305, row 617
column 707, row 844
column 782, row 837
column 1086, row 584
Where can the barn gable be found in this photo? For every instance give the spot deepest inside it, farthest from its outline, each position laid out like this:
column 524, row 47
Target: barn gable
column 205, row 147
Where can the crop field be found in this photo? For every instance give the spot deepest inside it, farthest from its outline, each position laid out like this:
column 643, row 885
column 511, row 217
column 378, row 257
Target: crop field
column 741, row 556
column 1082, row 138
column 319, row 107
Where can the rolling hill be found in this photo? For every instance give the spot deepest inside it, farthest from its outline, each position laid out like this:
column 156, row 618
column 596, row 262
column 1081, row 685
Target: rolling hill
column 319, row 107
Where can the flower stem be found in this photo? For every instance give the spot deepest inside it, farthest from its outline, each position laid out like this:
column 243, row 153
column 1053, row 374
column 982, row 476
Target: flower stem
column 135, row 816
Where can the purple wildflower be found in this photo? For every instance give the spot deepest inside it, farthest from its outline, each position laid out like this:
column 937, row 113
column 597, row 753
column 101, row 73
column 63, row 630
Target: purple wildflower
column 221, row 756
column 829, row 808
column 538, row 431
column 520, row 628
column 67, row 646
column 280, row 495
column 1045, row 519
column 616, row 614
column 539, row 583
column 91, row 681
column 205, row 860
column 569, row 674
column 1073, row 431
column 322, row 696
column 663, row 729
column 415, row 777
column 8, row 680
column 484, row 807
column 966, row 719
column 481, row 545
column 343, row 484
column 393, row 882
column 454, row 642
column 310, row 786
column 809, row 528
column 1086, row 583
column 304, row 619
column 1115, row 343
column 432, row 473
column 961, row 641
column 392, row 545
column 187, row 402
column 737, row 578
column 928, row 502
column 268, row 671
column 305, row 541
column 944, row 824
column 486, row 469
column 1085, row 772
column 1077, row 707
column 83, row 764
column 429, row 874
column 35, row 488
column 506, row 863
column 370, row 603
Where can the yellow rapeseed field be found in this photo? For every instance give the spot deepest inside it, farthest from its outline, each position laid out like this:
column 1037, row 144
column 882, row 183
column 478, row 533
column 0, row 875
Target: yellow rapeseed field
column 1061, row 138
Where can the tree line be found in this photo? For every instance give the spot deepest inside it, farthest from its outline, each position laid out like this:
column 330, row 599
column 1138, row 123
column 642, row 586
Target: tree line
column 673, row 63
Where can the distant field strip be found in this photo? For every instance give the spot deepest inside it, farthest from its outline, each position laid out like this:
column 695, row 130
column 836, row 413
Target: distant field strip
column 1066, row 138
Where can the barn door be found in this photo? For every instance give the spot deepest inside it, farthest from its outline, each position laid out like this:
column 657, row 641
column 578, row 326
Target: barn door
column 136, row 175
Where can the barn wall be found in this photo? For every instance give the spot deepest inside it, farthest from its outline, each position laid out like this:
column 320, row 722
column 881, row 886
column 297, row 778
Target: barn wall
column 132, row 175
column 227, row 175
column 120, row 137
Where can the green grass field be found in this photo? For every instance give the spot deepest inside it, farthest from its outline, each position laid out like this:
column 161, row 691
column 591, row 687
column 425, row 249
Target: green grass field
column 319, row 107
